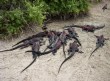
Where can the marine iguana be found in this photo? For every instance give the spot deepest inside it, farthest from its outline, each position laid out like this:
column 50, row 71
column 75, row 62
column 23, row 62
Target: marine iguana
column 51, row 36
column 25, row 44
column 62, row 38
column 104, row 7
column 38, row 53
column 40, row 39
column 36, row 48
column 88, row 28
column 55, row 46
column 73, row 34
column 100, row 43
column 73, row 47
column 53, row 50
column 19, row 46
column 40, row 34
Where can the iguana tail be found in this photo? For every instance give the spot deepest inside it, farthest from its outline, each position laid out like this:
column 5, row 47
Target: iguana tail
column 41, row 34
column 100, row 27
column 29, row 64
column 24, row 46
column 13, row 48
column 42, row 53
column 19, row 42
column 77, row 40
column 48, row 46
column 66, row 60
column 23, row 40
column 34, row 53
column 53, row 42
column 45, row 49
column 93, row 52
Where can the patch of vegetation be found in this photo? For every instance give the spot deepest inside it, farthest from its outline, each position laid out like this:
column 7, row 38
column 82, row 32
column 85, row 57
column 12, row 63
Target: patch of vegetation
column 95, row 1
column 15, row 15
column 67, row 8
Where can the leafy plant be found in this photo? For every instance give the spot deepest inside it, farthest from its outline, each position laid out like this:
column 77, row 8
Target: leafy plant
column 11, row 22
column 34, row 12
column 16, row 14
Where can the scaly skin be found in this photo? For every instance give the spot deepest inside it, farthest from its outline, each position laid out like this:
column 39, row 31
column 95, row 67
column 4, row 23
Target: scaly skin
column 62, row 39
column 35, row 47
column 73, row 34
column 66, row 60
column 19, row 46
column 51, row 36
column 100, row 43
column 88, row 28
column 53, row 50
column 40, row 34
column 56, row 45
column 73, row 47
column 25, row 44
column 29, row 64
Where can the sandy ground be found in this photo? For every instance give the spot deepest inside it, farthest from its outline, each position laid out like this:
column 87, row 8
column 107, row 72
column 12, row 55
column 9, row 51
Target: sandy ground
column 78, row 68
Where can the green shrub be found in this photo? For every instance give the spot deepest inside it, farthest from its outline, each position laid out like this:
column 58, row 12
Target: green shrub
column 67, row 6
column 95, row 1
column 16, row 14
column 34, row 12
column 11, row 22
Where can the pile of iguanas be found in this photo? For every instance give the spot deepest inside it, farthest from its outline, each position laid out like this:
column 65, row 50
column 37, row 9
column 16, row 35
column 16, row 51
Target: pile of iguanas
column 57, row 40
